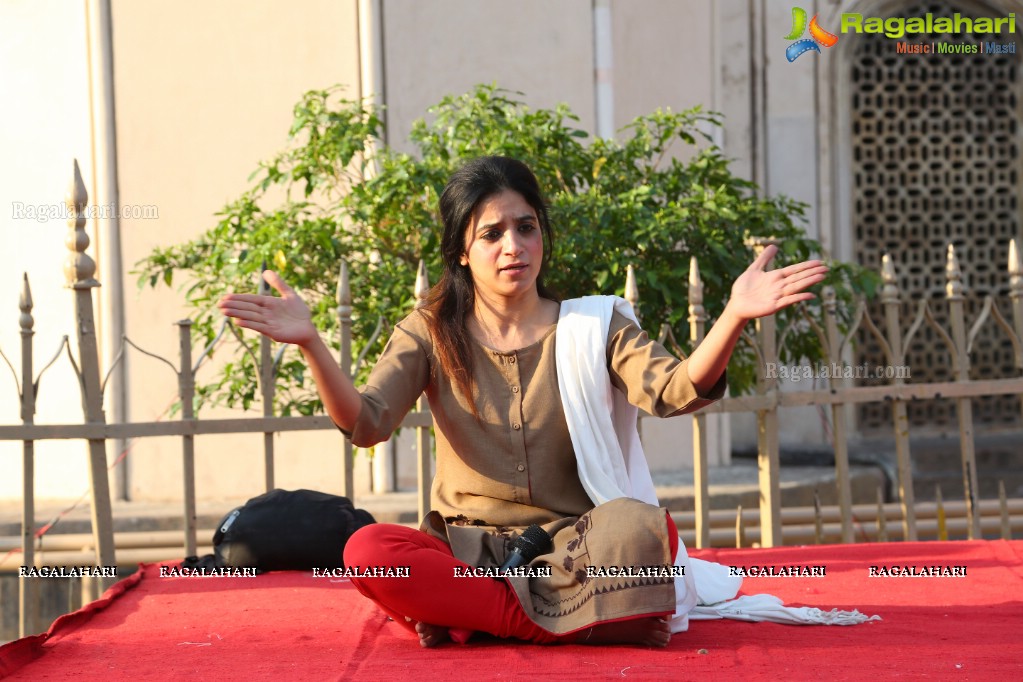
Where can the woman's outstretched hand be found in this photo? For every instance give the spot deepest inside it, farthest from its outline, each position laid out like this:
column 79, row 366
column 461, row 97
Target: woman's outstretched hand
column 759, row 292
column 756, row 293
column 285, row 319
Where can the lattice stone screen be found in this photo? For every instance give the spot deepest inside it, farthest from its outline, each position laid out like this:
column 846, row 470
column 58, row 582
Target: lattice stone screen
column 936, row 159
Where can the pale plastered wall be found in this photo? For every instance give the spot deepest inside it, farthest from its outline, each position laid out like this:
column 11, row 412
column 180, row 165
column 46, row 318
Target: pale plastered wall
column 204, row 91
column 772, row 112
column 661, row 59
column 664, row 58
column 433, row 49
column 44, row 125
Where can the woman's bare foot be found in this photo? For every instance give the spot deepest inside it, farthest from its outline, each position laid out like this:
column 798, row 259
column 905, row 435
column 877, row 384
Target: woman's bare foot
column 646, row 631
column 431, row 635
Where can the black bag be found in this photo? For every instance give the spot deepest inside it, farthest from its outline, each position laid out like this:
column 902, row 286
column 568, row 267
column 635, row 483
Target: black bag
column 285, row 530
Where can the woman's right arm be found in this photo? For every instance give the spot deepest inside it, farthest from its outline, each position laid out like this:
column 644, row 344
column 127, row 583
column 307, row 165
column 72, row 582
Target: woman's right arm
column 287, row 320
column 337, row 392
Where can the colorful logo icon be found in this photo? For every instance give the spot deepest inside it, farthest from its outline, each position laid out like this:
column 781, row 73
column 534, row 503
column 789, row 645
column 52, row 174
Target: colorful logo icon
column 818, row 36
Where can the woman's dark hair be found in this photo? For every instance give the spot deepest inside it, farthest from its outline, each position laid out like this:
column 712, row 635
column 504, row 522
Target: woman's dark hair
column 449, row 303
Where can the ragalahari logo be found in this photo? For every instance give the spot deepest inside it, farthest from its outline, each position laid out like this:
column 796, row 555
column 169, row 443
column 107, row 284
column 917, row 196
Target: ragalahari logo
column 818, row 36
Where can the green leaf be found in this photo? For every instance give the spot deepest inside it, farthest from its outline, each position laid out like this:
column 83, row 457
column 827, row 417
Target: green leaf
column 654, row 196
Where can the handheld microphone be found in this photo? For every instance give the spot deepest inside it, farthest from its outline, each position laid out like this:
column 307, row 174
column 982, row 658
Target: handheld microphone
column 526, row 547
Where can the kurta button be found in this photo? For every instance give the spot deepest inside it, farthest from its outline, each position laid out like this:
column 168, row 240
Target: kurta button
column 521, row 467
column 512, row 359
column 515, row 389
column 516, row 427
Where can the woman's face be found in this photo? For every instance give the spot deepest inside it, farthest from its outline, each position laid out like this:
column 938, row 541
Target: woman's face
column 504, row 246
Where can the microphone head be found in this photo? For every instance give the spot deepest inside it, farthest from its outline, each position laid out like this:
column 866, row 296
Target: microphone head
column 533, row 542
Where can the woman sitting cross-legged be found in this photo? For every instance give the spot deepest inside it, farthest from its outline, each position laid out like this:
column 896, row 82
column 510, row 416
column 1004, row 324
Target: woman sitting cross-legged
column 505, row 403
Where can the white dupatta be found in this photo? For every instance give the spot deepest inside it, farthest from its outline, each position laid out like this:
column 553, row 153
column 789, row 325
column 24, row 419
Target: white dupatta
column 611, row 464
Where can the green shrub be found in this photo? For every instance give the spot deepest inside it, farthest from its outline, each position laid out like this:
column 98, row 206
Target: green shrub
column 653, row 198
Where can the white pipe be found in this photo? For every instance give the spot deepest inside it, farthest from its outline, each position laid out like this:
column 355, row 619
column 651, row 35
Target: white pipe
column 371, row 52
column 107, row 226
column 371, row 88
column 717, row 133
column 603, row 69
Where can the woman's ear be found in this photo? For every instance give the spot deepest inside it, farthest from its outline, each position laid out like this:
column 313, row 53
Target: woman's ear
column 463, row 261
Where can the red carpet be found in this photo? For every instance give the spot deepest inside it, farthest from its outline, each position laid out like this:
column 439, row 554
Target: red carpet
column 293, row 626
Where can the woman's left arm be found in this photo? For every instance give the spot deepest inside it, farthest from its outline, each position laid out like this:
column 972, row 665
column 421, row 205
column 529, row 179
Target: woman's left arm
column 756, row 293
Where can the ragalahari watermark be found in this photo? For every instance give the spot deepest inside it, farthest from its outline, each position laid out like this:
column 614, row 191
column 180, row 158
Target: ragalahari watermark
column 773, row 370
column 42, row 213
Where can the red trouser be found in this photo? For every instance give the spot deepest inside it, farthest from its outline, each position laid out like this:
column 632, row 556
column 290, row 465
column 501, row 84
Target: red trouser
column 432, row 594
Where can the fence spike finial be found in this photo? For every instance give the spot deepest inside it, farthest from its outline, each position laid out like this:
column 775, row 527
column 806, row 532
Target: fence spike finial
column 79, row 267
column 695, row 283
column 830, row 299
column 890, row 290
column 344, row 287
column 25, row 304
column 76, row 195
column 422, row 284
column 631, row 288
column 1015, row 268
column 697, row 313
column 954, row 275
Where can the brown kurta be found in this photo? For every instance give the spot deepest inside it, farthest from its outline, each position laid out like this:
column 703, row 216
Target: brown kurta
column 516, row 466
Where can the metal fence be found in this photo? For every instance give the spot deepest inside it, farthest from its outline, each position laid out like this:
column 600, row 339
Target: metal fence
column 765, row 403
